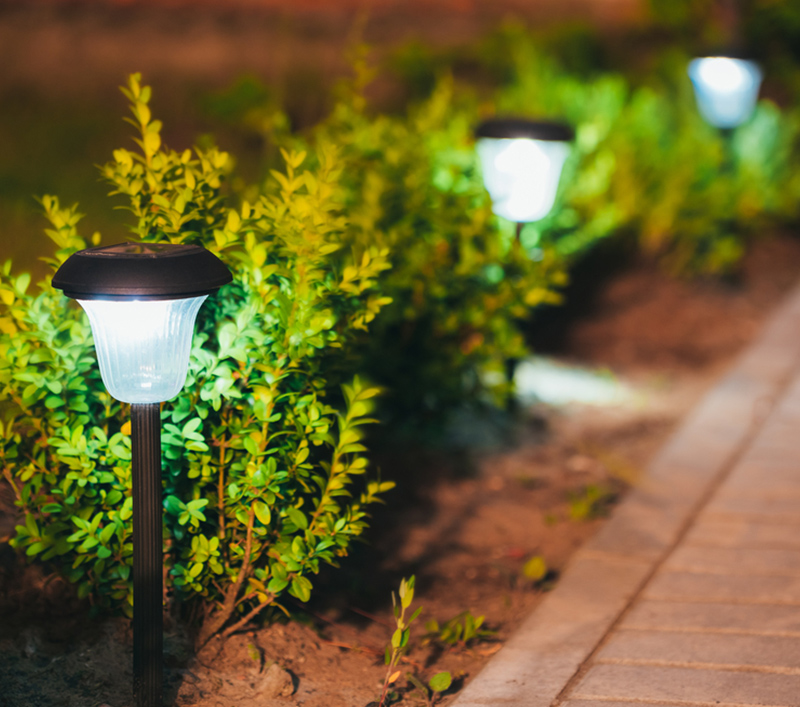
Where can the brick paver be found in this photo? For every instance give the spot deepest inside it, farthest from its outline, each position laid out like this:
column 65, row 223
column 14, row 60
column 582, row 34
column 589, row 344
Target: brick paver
column 688, row 685
column 776, row 509
column 744, row 589
column 735, row 560
column 703, row 648
column 719, row 532
column 690, row 595
column 714, row 617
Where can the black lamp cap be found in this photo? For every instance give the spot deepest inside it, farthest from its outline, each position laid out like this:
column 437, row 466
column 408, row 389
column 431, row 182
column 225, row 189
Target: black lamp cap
column 727, row 52
column 523, row 128
column 147, row 271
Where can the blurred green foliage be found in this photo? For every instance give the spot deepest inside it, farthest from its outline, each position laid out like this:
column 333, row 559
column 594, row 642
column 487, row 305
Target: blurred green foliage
column 460, row 630
column 644, row 167
column 769, row 30
column 645, row 164
column 458, row 282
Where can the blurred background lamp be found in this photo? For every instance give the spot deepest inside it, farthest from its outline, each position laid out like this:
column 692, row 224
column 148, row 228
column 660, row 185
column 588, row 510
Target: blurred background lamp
column 521, row 161
column 142, row 300
column 726, row 89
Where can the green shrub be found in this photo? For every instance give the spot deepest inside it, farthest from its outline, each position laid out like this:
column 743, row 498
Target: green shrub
column 458, row 284
column 260, row 451
column 644, row 167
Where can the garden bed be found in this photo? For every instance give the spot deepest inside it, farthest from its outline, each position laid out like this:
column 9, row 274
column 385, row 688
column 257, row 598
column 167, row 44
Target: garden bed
column 464, row 520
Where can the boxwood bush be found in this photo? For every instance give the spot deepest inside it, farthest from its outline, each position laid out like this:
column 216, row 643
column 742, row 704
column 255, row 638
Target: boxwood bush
column 459, row 281
column 644, row 168
column 261, row 454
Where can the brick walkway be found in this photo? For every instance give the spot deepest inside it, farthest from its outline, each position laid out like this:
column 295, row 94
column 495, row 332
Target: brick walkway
column 690, row 595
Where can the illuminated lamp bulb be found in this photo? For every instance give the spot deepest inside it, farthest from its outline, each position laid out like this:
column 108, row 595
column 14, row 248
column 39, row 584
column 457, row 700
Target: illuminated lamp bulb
column 143, row 346
column 521, row 161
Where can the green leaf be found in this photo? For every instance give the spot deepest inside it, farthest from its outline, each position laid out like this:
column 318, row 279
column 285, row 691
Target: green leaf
column 301, row 588
column 535, row 569
column 152, row 142
column 31, row 526
column 251, row 446
column 262, row 512
column 407, row 591
column 297, row 517
column 174, row 505
column 55, row 387
column 277, row 585
column 35, row 548
column 107, row 533
column 440, row 682
column 52, row 402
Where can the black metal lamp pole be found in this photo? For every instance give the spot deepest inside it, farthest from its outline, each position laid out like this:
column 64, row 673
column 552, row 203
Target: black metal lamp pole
column 142, row 300
column 147, row 548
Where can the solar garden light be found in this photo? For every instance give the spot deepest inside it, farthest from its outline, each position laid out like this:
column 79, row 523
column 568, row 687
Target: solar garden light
column 726, row 89
column 142, row 300
column 521, row 162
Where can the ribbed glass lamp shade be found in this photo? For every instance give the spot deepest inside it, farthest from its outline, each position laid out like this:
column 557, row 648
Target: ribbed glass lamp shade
column 521, row 175
column 726, row 89
column 142, row 300
column 143, row 347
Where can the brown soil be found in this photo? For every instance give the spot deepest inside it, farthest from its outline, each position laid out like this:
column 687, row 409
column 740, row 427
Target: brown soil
column 464, row 523
column 645, row 320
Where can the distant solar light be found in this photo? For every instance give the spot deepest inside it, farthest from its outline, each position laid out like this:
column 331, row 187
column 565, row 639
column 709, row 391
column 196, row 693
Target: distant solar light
column 521, row 162
column 726, row 89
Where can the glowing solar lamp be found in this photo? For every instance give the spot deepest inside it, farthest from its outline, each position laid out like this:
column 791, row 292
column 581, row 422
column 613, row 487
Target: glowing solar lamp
column 521, row 162
column 142, row 300
column 726, row 89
